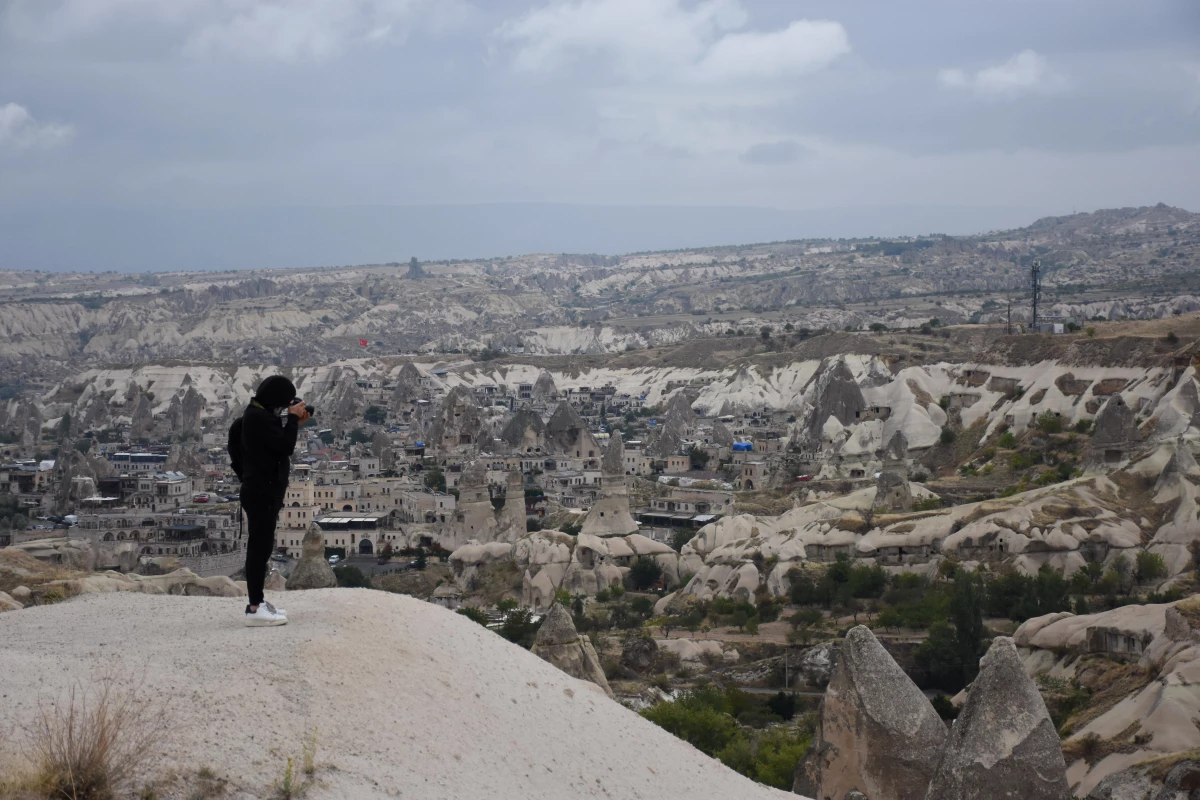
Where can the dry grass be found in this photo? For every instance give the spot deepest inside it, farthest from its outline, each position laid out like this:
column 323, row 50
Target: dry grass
column 1160, row 766
column 92, row 744
column 18, row 568
column 1111, row 682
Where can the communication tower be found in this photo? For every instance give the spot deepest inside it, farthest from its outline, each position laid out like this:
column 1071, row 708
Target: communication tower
column 1035, row 273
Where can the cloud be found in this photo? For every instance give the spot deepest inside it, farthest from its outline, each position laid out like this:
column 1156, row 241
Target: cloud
column 20, row 131
column 656, row 40
column 685, row 75
column 257, row 30
column 1024, row 73
column 775, row 153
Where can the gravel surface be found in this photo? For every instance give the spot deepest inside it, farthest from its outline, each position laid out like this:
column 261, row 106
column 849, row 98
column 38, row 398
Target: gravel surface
column 408, row 699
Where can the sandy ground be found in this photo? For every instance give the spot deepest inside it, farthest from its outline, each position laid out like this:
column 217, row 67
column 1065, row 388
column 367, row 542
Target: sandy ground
column 409, row 700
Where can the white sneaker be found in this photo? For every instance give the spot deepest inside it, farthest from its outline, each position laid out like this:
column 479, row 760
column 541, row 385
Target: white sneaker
column 264, row 617
column 274, row 610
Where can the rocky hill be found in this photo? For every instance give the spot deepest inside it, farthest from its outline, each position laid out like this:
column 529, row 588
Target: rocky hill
column 393, row 696
column 1110, row 264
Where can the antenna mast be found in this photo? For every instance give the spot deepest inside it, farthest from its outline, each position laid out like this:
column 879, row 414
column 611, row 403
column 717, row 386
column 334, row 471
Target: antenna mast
column 1035, row 272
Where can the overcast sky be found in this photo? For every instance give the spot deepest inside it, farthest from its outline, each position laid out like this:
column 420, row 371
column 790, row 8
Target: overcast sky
column 112, row 109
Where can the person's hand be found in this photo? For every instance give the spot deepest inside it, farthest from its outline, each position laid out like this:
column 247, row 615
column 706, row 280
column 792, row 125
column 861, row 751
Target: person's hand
column 300, row 411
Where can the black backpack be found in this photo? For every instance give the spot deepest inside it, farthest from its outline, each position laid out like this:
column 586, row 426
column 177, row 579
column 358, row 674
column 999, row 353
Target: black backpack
column 235, row 447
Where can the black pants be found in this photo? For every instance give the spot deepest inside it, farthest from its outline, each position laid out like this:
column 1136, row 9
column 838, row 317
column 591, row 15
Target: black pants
column 260, row 541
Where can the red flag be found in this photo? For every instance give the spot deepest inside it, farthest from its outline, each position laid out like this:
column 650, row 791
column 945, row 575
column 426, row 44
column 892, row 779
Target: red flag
column 363, row 342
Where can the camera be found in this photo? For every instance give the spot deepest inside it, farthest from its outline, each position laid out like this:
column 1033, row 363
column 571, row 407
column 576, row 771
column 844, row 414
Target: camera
column 312, row 412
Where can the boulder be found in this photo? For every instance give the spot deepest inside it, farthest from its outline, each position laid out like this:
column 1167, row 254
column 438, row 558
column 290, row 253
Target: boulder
column 1003, row 744
column 559, row 643
column 816, row 665
column 7, row 603
column 639, row 654
column 1182, row 783
column 275, row 581
column 313, row 571
column 1124, row 785
column 878, row 734
column 21, row 594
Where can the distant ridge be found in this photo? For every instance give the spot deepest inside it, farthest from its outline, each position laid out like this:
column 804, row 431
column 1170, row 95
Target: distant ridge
column 145, row 240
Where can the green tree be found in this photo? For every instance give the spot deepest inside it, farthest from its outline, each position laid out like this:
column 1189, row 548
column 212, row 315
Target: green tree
column 694, row 719
column 519, row 627
column 359, row 436
column 326, row 436
column 375, row 415
column 741, row 616
column 1150, row 566
column 644, row 573
column 422, row 559
column 435, row 479
column 507, row 605
column 966, row 611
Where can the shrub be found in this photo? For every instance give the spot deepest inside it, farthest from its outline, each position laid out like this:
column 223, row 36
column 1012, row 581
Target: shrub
column 1007, row 440
column 93, row 744
column 1049, row 422
column 350, row 577
column 943, row 706
column 474, row 614
column 947, row 437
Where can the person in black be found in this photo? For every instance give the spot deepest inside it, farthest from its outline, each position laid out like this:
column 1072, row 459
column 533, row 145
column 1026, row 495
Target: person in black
column 260, row 449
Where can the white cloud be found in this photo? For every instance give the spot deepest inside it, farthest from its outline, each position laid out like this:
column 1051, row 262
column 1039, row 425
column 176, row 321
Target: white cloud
column 690, row 77
column 802, row 47
column 657, row 40
column 1024, row 73
column 20, row 131
column 283, row 30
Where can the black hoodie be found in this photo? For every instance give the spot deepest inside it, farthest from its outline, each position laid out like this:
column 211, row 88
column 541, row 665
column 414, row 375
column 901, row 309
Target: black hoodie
column 260, row 448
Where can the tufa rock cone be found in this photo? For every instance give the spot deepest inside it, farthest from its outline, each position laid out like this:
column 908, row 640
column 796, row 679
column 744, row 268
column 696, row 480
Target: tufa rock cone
column 878, row 733
column 559, row 643
column 1003, row 745
column 313, row 571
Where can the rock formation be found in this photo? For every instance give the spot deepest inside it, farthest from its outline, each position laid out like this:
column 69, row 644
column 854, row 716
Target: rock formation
column 408, row 388
column 313, row 571
column 474, row 516
column 567, row 435
column 525, row 432
column 892, row 492
column 559, row 643
column 837, row 395
column 1003, row 744
column 878, row 733
column 511, row 520
column 678, row 418
column 1115, row 432
column 544, row 390
column 610, row 515
column 815, row 666
column 721, row 435
column 639, row 654
column 458, row 424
